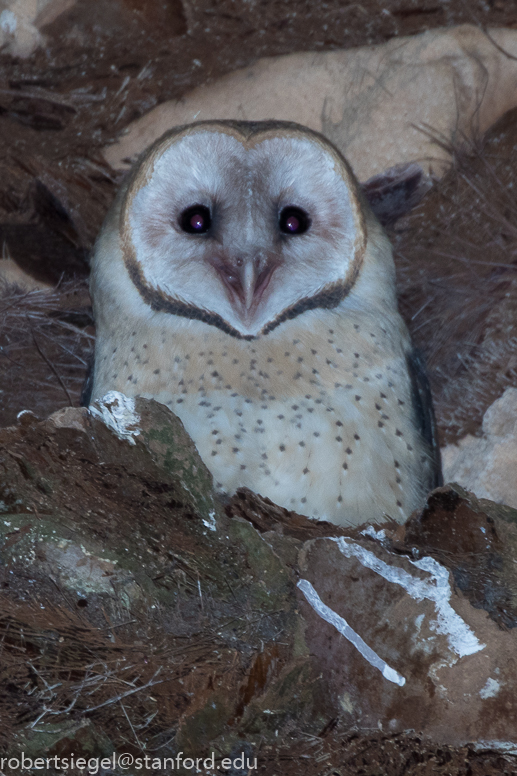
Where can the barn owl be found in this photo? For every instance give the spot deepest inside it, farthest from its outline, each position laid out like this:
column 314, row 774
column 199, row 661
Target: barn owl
column 241, row 279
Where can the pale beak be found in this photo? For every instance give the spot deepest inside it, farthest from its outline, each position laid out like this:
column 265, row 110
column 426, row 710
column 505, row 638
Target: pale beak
column 246, row 280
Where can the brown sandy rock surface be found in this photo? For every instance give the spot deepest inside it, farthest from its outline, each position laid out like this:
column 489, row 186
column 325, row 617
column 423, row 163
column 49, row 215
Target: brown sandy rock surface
column 141, row 613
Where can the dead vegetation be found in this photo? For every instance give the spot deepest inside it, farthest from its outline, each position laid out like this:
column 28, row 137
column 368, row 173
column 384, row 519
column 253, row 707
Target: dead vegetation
column 456, row 255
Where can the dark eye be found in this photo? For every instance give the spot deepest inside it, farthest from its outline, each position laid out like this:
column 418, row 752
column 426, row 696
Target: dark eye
column 293, row 220
column 195, row 219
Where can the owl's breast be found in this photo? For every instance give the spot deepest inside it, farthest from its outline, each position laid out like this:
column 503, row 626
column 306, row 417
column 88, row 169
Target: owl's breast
column 317, row 427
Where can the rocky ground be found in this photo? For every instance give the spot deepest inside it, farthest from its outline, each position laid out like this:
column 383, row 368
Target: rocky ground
column 455, row 250
column 142, row 615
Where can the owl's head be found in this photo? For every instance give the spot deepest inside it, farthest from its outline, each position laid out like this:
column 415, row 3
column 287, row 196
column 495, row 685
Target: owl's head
column 243, row 225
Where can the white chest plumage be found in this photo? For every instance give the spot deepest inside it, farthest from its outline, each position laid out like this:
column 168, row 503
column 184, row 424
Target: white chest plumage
column 303, row 396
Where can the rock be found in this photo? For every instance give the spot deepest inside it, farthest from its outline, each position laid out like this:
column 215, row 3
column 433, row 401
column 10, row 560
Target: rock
column 421, row 655
column 119, row 561
column 368, row 101
column 133, row 599
column 21, row 21
column 487, row 464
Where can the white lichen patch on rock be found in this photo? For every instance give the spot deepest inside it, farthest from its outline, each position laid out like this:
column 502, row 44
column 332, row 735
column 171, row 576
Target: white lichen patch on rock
column 437, row 589
column 79, row 569
column 341, row 625
column 118, row 413
column 210, row 523
column 491, row 689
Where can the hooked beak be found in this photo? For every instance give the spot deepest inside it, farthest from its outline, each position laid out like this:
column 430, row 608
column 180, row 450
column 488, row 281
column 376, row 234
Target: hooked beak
column 246, row 280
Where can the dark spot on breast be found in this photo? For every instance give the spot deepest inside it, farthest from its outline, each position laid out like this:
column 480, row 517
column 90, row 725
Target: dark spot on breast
column 282, row 448
column 357, row 437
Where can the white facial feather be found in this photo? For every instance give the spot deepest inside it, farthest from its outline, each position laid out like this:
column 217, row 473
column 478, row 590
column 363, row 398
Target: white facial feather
column 246, row 188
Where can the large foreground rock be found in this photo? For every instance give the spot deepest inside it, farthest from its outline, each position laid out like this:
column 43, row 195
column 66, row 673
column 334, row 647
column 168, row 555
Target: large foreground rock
column 139, row 613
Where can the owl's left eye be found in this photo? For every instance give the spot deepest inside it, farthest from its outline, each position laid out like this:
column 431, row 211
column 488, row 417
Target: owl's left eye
column 195, row 219
column 293, row 220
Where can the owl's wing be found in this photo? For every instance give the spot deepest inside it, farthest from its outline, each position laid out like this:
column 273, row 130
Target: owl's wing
column 424, row 413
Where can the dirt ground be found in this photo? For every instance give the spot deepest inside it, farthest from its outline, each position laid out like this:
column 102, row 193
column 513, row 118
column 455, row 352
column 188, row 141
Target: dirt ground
column 106, row 64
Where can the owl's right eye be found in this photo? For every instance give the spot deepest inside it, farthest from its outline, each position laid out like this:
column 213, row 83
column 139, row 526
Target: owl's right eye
column 195, row 219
